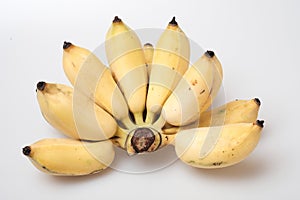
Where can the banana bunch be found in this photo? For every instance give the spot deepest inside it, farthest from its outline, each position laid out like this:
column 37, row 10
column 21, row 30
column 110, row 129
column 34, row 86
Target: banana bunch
column 148, row 97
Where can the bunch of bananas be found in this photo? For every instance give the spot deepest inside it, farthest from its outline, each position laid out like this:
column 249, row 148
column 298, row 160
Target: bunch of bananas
column 148, row 98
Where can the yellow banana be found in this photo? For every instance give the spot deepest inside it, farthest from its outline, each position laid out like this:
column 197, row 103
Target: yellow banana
column 170, row 61
column 217, row 80
column 186, row 102
column 127, row 61
column 219, row 146
column 238, row 111
column 56, row 104
column 96, row 80
column 73, row 58
column 148, row 51
column 68, row 157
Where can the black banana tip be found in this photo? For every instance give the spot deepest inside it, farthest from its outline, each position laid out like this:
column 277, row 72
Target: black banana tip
column 257, row 101
column 67, row 45
column 148, row 44
column 173, row 22
column 26, row 150
column 260, row 123
column 41, row 85
column 210, row 54
column 117, row 19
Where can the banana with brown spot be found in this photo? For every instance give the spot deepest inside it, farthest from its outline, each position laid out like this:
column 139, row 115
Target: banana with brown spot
column 170, row 61
column 186, row 102
column 148, row 51
column 219, row 146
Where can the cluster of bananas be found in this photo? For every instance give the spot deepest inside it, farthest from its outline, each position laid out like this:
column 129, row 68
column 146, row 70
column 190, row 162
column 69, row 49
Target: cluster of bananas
column 148, row 98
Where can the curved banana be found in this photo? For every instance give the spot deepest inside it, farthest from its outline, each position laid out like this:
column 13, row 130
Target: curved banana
column 170, row 61
column 186, row 102
column 238, row 111
column 126, row 59
column 67, row 157
column 56, row 104
column 217, row 80
column 94, row 78
column 73, row 58
column 148, row 51
column 217, row 147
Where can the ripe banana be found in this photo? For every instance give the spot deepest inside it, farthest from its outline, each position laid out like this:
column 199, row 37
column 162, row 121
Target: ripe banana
column 68, row 157
column 126, row 59
column 217, row 80
column 95, row 80
column 148, row 51
column 186, row 102
column 219, row 146
column 73, row 58
column 56, row 104
column 238, row 111
column 170, row 61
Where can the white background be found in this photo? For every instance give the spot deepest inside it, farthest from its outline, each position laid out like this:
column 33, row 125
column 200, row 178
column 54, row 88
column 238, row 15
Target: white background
column 257, row 43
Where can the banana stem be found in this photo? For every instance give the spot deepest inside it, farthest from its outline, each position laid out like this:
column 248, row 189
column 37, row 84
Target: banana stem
column 168, row 139
column 172, row 130
column 119, row 138
column 159, row 123
column 138, row 118
column 127, row 122
column 149, row 117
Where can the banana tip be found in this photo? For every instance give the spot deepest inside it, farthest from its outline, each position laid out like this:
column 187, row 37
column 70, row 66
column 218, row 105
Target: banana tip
column 66, row 45
column 26, row 150
column 173, row 22
column 148, row 44
column 257, row 101
column 210, row 54
column 41, row 85
column 260, row 123
column 117, row 19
